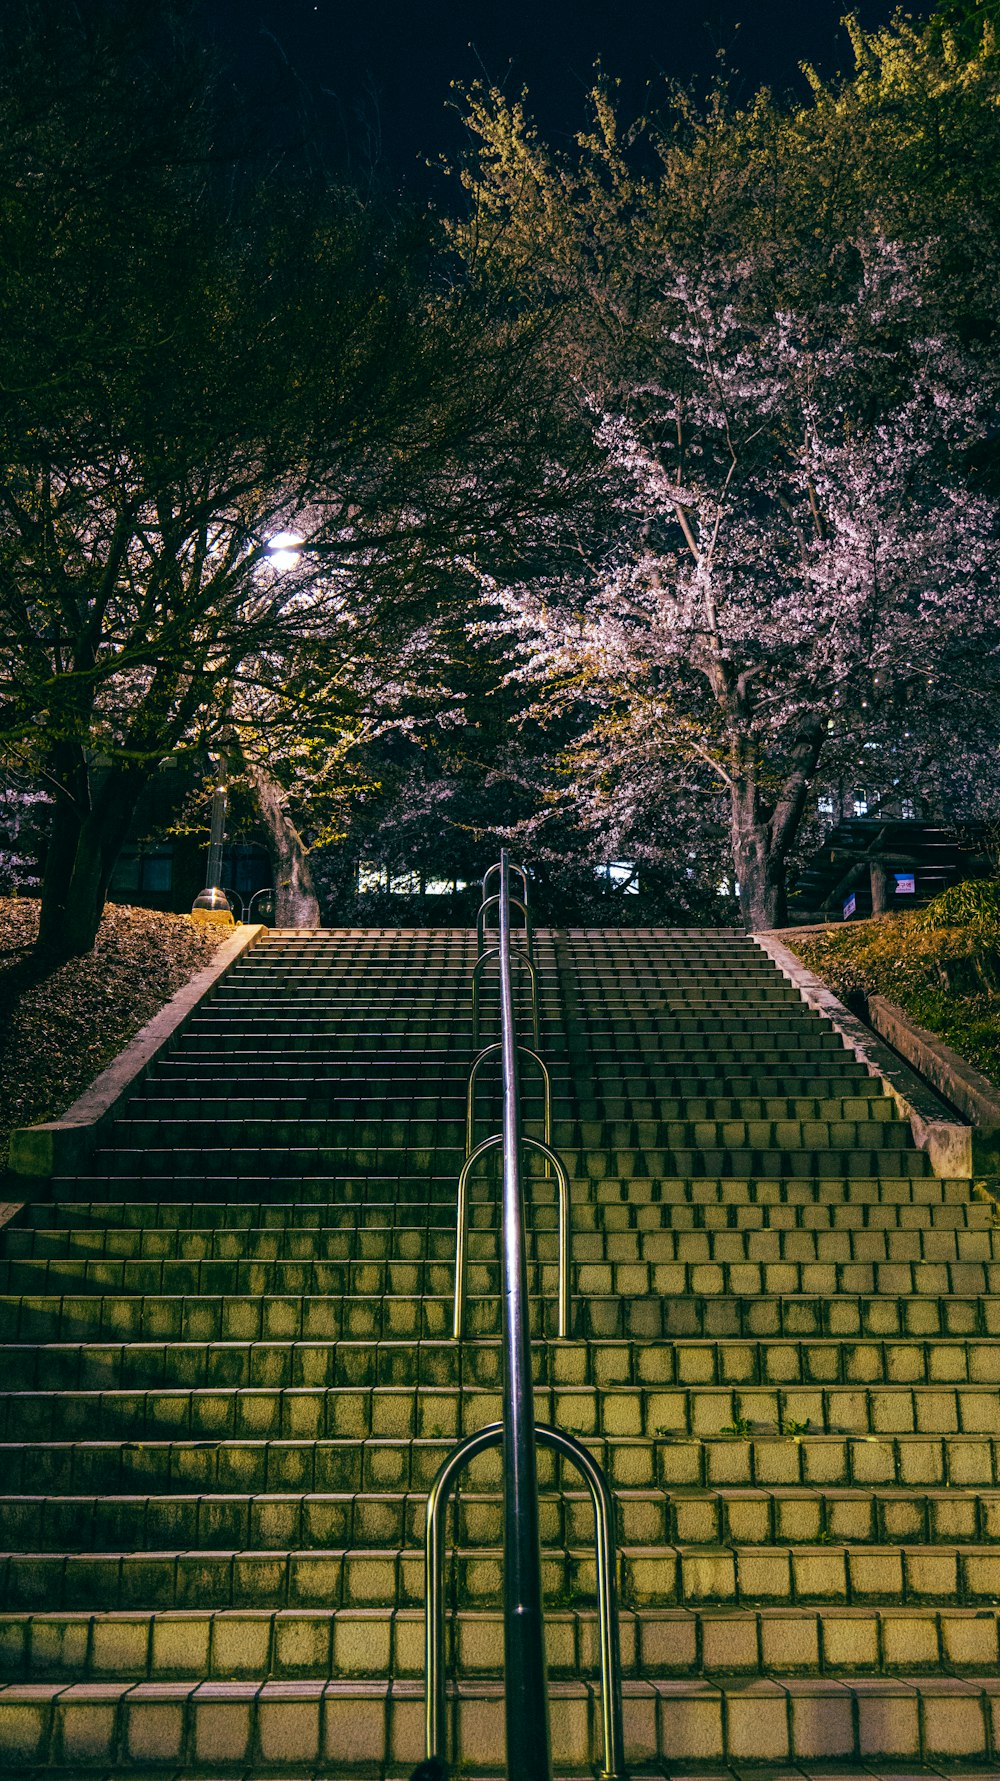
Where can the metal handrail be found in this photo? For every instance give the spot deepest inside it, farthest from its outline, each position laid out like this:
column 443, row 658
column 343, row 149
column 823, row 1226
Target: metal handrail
column 522, row 958
column 462, row 1221
column 607, row 1604
column 528, row 1744
column 526, row 1704
column 511, row 867
column 524, row 1051
column 515, row 903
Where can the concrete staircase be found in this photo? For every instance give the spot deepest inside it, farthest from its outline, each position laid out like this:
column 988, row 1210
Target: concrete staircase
column 226, row 1382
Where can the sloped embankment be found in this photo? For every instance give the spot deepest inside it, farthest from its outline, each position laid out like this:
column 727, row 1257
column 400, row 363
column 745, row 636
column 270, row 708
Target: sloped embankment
column 940, row 964
column 57, row 1032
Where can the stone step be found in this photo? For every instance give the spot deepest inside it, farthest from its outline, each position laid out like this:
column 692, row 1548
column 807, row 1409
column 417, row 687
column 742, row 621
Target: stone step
column 179, row 1074
column 230, row 1195
column 161, row 1166
column 401, row 1411
column 762, row 1458
column 340, row 1262
column 210, row 1132
column 631, row 1198
column 289, row 1644
column 681, row 1038
column 356, row 1577
column 296, row 1727
column 618, row 1054
column 417, row 1280
column 362, row 1228
column 360, row 997
column 304, row 1317
column 739, row 1517
column 691, row 1361
column 622, row 1113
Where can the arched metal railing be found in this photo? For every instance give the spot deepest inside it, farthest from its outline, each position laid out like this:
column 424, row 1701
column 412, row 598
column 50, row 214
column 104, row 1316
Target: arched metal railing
column 525, row 1682
column 607, row 1607
column 519, row 958
column 489, row 1051
column 462, row 1223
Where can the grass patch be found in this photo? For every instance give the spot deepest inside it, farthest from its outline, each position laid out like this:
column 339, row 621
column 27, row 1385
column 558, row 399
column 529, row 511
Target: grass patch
column 57, row 1033
column 941, row 965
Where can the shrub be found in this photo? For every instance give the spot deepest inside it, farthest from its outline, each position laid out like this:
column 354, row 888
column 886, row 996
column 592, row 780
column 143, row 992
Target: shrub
column 976, row 903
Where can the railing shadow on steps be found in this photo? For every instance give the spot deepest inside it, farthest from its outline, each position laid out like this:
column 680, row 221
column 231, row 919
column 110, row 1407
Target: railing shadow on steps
column 526, row 1713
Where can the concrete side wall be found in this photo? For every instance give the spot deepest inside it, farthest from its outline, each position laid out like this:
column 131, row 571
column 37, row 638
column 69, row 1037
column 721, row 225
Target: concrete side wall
column 946, row 1139
column 966, row 1088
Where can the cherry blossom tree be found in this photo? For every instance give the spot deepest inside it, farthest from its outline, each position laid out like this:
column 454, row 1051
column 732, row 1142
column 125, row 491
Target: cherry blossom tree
column 787, row 355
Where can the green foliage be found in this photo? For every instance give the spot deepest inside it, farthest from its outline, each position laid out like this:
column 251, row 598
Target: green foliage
column 944, row 973
column 971, row 25
column 793, row 1430
column 976, row 903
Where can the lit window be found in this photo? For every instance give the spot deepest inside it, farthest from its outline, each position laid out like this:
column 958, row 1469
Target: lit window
column 622, row 873
column 861, row 804
column 371, row 877
column 824, row 804
column 908, row 810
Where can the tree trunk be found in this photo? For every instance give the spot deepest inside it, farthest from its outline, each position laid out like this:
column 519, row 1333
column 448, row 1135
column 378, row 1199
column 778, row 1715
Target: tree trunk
column 759, row 868
column 296, row 904
column 880, row 886
column 764, row 831
column 64, row 838
column 84, row 853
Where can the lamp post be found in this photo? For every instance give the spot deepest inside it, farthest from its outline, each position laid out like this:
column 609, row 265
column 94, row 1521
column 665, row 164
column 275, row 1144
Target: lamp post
column 212, row 904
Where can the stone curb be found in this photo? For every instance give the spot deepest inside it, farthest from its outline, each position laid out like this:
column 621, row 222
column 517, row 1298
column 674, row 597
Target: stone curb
column 965, row 1087
column 948, row 1142
column 62, row 1145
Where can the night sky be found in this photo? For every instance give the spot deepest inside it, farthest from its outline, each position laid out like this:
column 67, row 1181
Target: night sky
column 380, row 70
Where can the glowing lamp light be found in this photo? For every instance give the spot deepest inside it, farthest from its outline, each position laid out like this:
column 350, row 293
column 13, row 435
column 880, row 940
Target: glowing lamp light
column 281, row 550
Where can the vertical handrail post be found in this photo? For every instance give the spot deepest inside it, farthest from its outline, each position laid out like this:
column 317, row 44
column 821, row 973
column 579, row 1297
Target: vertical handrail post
column 528, row 1744
column 526, row 1706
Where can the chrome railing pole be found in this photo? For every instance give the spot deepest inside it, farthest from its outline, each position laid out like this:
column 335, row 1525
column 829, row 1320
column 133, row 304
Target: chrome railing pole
column 526, row 1694
column 470, row 1094
column 525, row 1683
column 607, row 1593
column 461, row 1231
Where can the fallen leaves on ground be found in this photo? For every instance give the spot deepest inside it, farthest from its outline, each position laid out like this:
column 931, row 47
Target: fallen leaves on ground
column 60, row 1032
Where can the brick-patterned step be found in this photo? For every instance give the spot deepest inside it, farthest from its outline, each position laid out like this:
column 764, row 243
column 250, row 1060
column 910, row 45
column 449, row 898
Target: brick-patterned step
column 296, row 1726
column 227, row 1381
column 291, row 1644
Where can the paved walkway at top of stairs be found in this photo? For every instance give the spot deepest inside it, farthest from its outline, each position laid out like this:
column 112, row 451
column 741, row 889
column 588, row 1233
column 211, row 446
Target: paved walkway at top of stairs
column 227, row 1381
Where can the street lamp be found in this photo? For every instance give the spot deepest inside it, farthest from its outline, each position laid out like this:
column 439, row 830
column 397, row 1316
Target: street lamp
column 212, row 904
column 284, row 550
